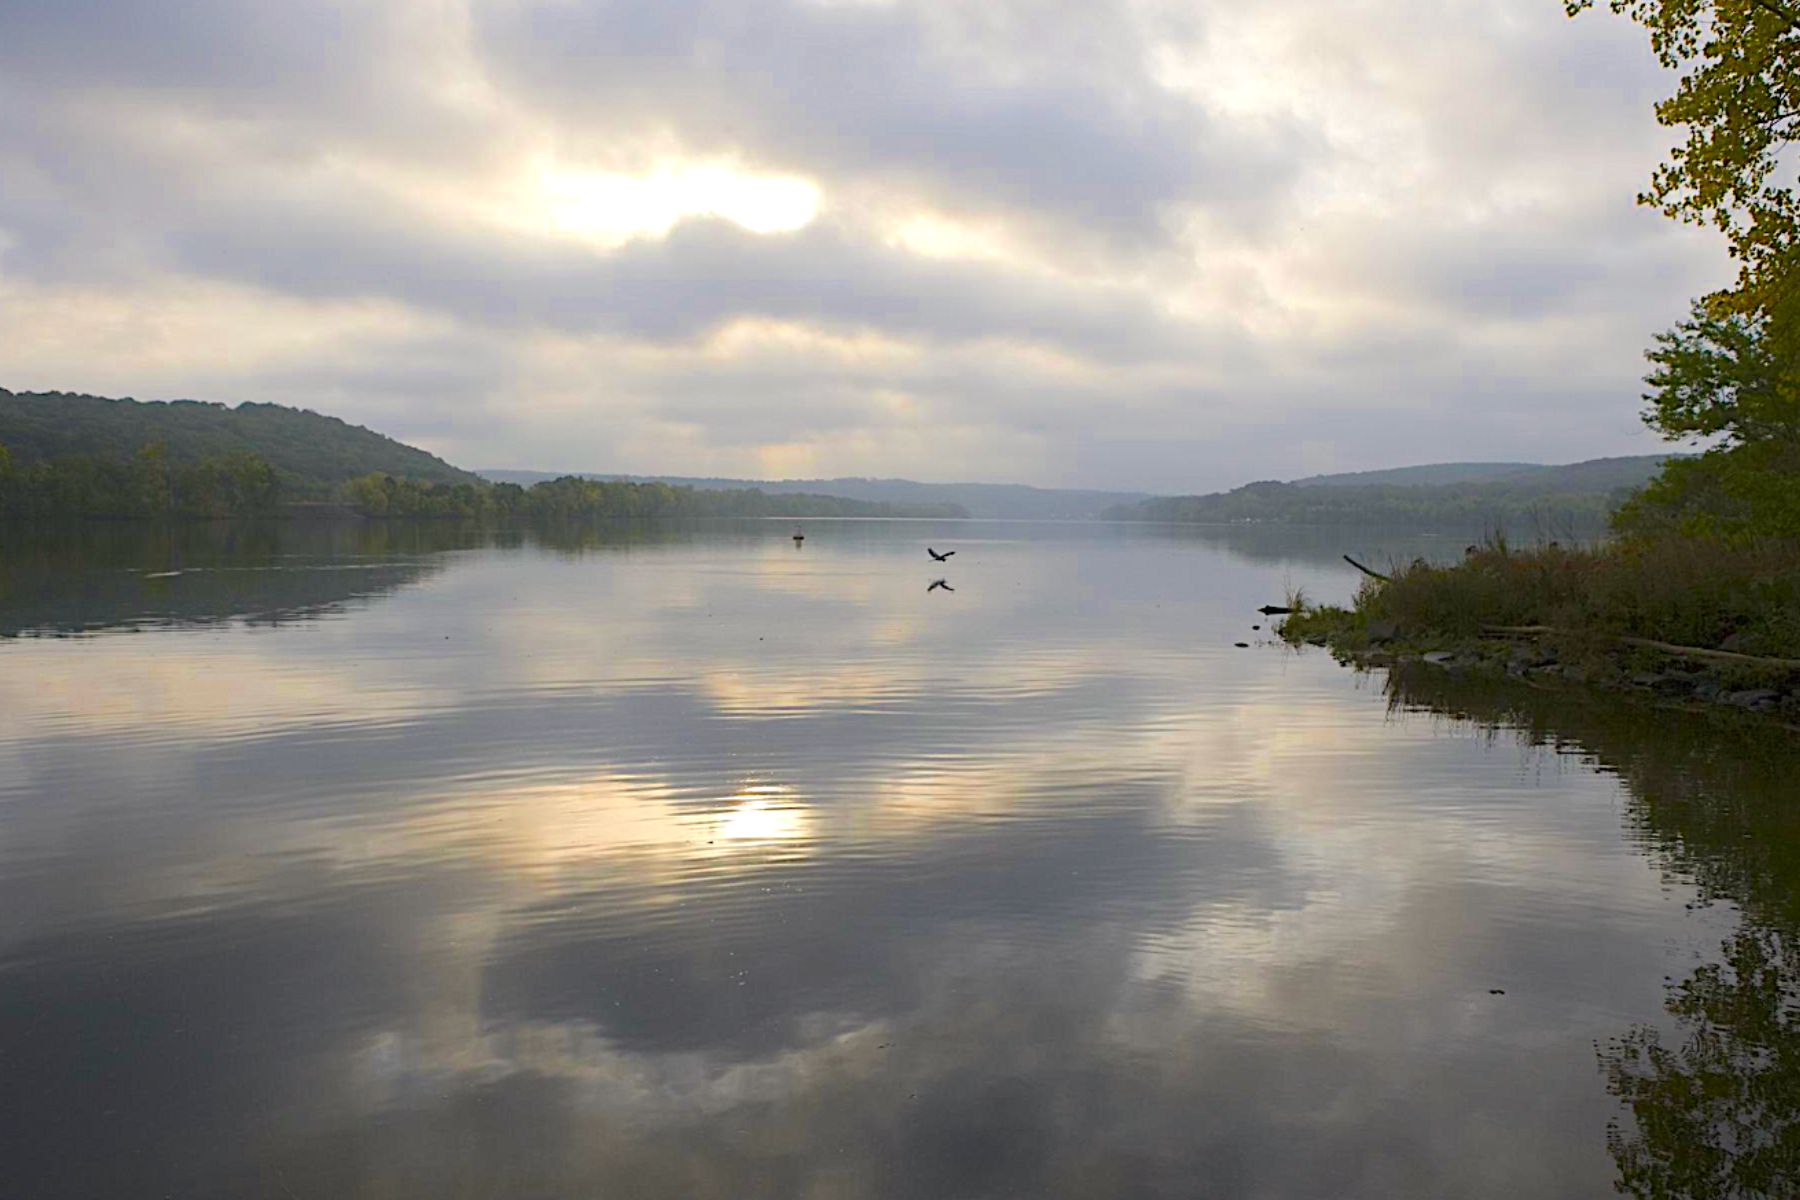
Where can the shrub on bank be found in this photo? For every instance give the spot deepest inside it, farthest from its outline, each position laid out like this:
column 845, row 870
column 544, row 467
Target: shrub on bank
column 1690, row 591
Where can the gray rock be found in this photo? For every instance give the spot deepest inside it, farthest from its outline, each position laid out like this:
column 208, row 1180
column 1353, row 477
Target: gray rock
column 1754, row 698
column 1382, row 631
column 1709, row 689
column 1645, row 679
column 1733, row 644
column 1317, row 639
column 1440, row 658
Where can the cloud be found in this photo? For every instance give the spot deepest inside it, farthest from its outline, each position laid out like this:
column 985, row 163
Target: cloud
column 1043, row 109
column 1118, row 244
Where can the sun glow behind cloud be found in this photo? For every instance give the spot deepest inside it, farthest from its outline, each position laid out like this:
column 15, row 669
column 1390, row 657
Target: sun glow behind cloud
column 1194, row 227
column 612, row 207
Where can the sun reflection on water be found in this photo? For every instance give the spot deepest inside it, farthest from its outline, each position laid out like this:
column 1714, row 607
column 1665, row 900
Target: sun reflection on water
column 762, row 813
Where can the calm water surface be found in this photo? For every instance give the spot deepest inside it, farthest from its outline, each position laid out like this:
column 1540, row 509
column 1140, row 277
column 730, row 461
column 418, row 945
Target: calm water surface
column 421, row 861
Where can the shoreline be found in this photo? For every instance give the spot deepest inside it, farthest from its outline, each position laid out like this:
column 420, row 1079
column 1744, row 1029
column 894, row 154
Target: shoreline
column 1565, row 663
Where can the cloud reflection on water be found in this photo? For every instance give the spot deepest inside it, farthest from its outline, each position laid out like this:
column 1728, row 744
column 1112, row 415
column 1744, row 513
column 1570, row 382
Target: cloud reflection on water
column 1055, row 894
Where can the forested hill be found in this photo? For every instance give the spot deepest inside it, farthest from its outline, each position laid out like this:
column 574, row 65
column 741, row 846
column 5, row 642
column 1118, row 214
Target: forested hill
column 1006, row 501
column 1429, row 475
column 1603, row 474
column 1582, row 493
column 310, row 453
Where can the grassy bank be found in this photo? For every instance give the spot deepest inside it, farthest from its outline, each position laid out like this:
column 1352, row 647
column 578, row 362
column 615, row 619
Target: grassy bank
column 1687, row 591
column 1726, row 615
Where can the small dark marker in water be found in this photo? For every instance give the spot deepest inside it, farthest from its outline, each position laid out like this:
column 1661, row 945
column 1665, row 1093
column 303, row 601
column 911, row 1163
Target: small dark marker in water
column 1242, row 645
column 1496, row 991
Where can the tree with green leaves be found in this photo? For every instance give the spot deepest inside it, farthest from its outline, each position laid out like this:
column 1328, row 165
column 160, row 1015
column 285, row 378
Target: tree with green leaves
column 1719, row 374
column 1739, row 102
column 1719, row 1114
column 1722, row 376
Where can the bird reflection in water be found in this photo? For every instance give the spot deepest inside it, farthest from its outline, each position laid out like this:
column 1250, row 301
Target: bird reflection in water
column 939, row 583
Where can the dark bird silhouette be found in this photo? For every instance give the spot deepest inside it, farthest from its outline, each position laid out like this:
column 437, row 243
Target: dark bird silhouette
column 938, row 583
column 936, row 557
column 1273, row 610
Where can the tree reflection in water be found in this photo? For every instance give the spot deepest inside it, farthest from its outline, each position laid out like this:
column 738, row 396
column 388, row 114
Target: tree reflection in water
column 1713, row 1110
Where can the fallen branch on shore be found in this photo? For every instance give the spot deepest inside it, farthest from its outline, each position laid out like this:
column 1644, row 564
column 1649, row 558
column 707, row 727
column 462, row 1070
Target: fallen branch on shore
column 1366, row 571
column 1700, row 652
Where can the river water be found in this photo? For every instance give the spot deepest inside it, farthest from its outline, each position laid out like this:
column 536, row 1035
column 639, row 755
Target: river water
column 688, row 861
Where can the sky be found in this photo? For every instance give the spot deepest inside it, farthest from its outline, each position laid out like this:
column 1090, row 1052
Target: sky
column 1134, row 244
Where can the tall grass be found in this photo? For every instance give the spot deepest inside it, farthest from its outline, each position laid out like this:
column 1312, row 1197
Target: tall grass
column 1691, row 591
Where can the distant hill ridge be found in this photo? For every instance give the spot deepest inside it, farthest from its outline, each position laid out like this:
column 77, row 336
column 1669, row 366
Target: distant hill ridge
column 1602, row 473
column 1464, row 494
column 1427, row 475
column 309, row 451
column 1006, row 501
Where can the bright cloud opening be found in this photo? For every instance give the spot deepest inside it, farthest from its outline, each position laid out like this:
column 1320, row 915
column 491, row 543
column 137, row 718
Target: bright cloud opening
column 612, row 207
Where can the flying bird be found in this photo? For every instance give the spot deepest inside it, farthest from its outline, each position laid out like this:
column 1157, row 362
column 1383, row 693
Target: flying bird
column 936, row 557
column 938, row 583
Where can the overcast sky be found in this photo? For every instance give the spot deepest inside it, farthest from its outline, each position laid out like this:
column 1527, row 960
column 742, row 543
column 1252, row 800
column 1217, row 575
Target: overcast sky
column 1169, row 246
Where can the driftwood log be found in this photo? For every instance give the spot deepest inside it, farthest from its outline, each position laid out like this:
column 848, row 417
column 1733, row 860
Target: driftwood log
column 1698, row 652
column 1366, row 571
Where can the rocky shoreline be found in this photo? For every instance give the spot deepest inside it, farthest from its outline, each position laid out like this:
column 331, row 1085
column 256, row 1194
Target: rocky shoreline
column 1552, row 662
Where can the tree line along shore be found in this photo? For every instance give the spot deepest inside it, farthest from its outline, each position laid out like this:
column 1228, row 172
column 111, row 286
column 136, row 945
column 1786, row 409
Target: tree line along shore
column 243, row 484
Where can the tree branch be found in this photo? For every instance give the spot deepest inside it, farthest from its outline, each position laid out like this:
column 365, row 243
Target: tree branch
column 1366, row 571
